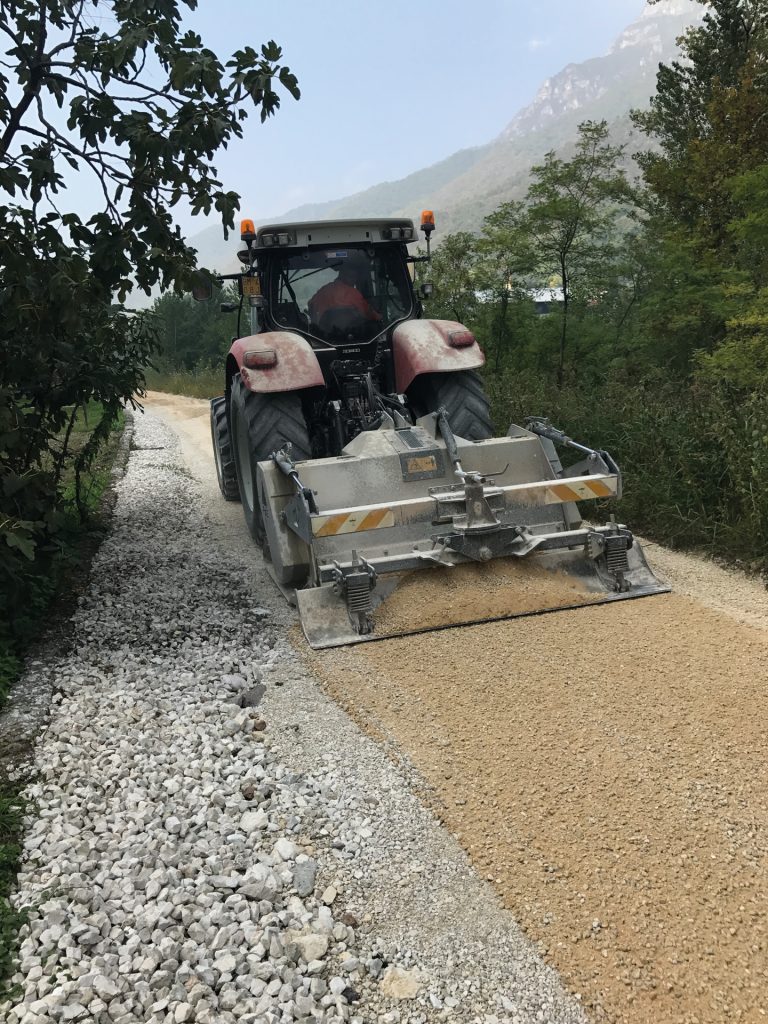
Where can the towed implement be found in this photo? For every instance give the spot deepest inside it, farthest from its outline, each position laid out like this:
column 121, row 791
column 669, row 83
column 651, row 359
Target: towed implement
column 357, row 436
column 342, row 544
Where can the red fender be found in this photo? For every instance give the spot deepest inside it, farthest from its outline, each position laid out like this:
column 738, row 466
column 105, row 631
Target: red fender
column 295, row 364
column 432, row 346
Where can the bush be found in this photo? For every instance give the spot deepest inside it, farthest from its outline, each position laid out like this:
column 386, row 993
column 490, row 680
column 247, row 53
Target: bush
column 694, row 460
column 42, row 547
column 201, row 382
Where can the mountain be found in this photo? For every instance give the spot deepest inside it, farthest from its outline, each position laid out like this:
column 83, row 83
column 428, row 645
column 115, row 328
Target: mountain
column 466, row 186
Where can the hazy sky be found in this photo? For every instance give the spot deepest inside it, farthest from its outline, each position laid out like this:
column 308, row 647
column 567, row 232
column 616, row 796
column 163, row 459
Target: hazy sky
column 391, row 86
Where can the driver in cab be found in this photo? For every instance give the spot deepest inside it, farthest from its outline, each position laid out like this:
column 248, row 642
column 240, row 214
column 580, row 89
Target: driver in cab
column 346, row 293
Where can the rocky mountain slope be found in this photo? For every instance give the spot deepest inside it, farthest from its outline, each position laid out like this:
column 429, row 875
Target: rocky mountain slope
column 466, row 186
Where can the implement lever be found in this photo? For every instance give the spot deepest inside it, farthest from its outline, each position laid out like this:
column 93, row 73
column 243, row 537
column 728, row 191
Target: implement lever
column 444, row 426
column 282, row 459
column 542, row 427
column 478, row 515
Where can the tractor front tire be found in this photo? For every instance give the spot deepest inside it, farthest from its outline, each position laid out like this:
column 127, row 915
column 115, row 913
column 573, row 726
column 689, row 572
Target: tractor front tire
column 222, row 450
column 261, row 425
column 462, row 394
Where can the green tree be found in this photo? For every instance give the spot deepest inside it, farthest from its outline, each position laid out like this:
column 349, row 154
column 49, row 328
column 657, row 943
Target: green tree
column 122, row 93
column 503, row 272
column 141, row 106
column 708, row 116
column 708, row 200
column 573, row 207
column 453, row 272
column 194, row 333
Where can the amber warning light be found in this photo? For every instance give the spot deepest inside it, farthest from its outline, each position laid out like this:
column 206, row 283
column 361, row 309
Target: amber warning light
column 247, row 230
column 427, row 222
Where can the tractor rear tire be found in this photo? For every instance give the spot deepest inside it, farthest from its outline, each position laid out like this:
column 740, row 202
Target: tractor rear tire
column 261, row 425
column 222, row 450
column 462, row 394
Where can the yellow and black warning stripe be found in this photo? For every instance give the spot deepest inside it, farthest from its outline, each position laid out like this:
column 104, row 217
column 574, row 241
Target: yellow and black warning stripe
column 583, row 490
column 352, row 522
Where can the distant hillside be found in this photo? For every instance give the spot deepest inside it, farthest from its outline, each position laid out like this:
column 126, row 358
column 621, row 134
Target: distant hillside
column 463, row 188
column 606, row 87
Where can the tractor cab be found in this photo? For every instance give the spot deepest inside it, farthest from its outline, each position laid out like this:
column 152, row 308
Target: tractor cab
column 337, row 283
column 335, row 325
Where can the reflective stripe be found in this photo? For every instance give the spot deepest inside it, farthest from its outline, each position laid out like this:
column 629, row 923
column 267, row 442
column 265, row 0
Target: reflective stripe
column 326, row 526
column 584, row 490
column 564, row 493
column 375, row 520
column 352, row 522
column 600, row 489
column 407, row 510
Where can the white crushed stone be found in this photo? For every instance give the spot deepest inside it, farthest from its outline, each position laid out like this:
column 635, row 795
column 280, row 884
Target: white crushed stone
column 192, row 859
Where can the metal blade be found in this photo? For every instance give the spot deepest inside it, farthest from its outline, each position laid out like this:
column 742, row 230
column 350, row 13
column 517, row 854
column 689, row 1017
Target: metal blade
column 466, row 595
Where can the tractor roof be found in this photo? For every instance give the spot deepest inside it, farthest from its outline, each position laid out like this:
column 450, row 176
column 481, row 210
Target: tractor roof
column 336, row 232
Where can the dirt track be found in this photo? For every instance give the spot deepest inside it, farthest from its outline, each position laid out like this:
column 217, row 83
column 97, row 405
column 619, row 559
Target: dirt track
column 606, row 768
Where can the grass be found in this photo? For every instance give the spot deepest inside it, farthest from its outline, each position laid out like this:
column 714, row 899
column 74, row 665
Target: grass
column 76, row 543
column 94, row 483
column 70, row 546
column 202, row 382
column 11, row 919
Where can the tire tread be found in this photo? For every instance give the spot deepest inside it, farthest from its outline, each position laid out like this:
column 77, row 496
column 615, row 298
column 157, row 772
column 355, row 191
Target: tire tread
column 463, row 395
column 271, row 421
column 228, row 484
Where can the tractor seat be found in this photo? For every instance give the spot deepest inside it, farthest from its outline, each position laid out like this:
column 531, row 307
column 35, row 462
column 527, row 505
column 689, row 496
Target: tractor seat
column 287, row 314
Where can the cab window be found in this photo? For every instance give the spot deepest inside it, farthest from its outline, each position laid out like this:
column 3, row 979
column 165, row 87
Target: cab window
column 341, row 294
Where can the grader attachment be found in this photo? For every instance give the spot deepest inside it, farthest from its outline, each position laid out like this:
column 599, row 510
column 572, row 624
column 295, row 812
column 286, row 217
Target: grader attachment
column 349, row 537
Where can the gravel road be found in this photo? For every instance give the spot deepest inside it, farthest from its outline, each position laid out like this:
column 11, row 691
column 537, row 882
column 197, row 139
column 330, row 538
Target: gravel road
column 606, row 769
column 211, row 838
column 228, row 827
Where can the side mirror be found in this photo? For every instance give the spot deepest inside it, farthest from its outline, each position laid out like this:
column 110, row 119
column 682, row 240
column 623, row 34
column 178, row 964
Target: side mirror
column 426, row 289
column 202, row 287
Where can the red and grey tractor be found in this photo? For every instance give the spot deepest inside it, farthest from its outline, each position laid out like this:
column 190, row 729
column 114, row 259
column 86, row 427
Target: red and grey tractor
column 357, row 435
column 313, row 374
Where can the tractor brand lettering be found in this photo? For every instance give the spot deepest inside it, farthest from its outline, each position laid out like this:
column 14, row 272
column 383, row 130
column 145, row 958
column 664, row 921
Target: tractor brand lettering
column 352, row 522
column 426, row 464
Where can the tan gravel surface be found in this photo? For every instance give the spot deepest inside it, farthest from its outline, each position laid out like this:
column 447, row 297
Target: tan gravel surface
column 606, row 768
column 467, row 593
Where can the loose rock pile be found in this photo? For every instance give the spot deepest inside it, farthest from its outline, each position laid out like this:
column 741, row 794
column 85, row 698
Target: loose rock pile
column 177, row 868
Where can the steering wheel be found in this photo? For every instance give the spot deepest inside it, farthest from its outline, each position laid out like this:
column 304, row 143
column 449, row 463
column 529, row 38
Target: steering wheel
column 344, row 320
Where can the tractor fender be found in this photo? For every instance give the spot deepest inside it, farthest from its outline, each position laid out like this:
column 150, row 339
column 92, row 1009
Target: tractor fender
column 295, row 363
column 432, row 346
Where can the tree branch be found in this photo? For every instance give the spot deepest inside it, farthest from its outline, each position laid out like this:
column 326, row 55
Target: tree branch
column 32, row 89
